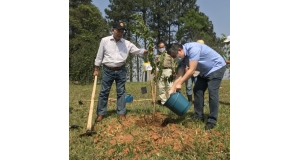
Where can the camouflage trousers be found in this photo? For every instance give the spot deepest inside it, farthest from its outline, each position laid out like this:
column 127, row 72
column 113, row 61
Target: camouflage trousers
column 162, row 83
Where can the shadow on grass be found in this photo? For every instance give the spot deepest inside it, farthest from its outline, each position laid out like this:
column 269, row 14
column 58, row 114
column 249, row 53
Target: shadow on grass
column 70, row 110
column 114, row 112
column 225, row 103
column 189, row 117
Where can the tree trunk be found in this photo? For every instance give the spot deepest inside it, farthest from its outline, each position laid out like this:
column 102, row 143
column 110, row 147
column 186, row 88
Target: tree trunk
column 130, row 59
column 169, row 33
column 137, row 64
column 155, row 84
column 169, row 27
column 144, row 17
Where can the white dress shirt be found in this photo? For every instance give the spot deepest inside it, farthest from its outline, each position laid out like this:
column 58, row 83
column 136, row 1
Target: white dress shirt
column 114, row 54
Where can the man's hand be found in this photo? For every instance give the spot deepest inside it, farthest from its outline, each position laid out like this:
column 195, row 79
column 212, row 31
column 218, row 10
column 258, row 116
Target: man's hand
column 177, row 88
column 227, row 61
column 171, row 91
column 95, row 73
column 146, row 51
column 174, row 75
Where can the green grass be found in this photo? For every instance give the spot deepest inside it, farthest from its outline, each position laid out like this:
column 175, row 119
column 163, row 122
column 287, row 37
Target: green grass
column 126, row 140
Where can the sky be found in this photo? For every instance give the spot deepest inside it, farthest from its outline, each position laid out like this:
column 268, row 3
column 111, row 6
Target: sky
column 218, row 11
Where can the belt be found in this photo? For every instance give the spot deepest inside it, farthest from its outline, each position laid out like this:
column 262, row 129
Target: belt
column 115, row 68
column 167, row 67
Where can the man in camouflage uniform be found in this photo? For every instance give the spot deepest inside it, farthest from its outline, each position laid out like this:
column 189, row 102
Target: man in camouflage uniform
column 169, row 66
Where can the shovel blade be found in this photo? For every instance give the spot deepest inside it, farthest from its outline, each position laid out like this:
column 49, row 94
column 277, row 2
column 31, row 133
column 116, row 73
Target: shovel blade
column 88, row 133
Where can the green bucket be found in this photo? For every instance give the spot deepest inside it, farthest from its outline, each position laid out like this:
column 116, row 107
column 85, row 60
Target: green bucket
column 178, row 104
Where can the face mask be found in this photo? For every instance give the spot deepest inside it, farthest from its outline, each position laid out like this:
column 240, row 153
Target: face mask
column 161, row 50
column 178, row 59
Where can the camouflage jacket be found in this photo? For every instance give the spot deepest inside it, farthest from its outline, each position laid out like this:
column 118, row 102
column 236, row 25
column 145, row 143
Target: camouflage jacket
column 168, row 61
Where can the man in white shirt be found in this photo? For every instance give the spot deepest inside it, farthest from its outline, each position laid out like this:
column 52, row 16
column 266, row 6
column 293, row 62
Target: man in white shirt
column 112, row 53
column 227, row 42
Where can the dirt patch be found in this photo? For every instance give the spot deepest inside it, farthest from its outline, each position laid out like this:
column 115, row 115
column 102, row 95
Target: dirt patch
column 153, row 134
column 160, row 120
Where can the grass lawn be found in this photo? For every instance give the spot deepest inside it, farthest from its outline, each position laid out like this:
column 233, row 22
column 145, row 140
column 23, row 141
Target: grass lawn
column 168, row 136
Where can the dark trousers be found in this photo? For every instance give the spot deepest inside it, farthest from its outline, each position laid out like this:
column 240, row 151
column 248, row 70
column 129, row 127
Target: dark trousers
column 212, row 82
column 109, row 76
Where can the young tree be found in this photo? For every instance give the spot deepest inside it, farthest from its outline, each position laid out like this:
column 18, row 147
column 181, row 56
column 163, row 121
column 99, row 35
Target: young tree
column 143, row 6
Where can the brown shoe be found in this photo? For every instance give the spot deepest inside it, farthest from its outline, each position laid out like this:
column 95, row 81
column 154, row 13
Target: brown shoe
column 122, row 117
column 99, row 118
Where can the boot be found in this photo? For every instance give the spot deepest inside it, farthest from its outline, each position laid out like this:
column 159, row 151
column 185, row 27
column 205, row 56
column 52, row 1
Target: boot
column 190, row 98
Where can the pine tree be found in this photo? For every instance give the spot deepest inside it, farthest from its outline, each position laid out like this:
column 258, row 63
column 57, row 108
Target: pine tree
column 157, row 25
column 193, row 26
column 181, row 8
column 75, row 3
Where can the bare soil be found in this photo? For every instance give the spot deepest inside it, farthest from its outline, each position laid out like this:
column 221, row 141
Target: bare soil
column 160, row 132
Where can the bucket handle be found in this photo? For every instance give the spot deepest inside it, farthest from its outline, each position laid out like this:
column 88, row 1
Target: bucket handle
column 175, row 99
column 128, row 95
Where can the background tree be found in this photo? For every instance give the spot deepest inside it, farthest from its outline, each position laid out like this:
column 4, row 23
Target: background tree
column 169, row 17
column 86, row 28
column 75, row 3
column 181, row 8
column 157, row 24
column 193, row 25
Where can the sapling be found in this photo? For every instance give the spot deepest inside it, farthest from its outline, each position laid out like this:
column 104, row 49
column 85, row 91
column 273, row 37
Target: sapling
column 141, row 30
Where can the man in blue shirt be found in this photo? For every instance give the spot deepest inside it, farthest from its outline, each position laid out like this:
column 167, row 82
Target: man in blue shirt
column 211, row 66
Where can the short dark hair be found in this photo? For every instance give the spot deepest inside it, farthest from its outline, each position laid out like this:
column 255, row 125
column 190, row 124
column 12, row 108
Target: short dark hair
column 174, row 48
column 163, row 43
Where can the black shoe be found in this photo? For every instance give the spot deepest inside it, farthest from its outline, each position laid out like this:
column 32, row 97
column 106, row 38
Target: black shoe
column 158, row 101
column 209, row 126
column 190, row 98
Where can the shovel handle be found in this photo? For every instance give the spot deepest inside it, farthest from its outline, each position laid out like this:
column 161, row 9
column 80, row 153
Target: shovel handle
column 89, row 124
